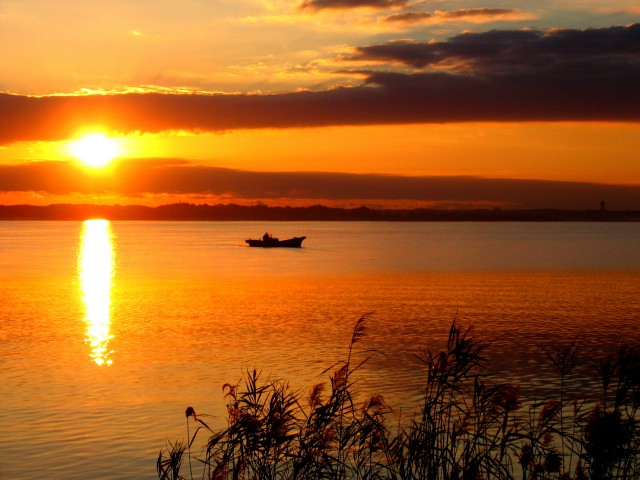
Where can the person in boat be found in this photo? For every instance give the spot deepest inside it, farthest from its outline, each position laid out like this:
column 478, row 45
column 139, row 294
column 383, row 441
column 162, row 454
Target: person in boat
column 266, row 238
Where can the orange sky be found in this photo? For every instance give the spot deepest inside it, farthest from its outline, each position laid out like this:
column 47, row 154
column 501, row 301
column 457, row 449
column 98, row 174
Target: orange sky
column 380, row 89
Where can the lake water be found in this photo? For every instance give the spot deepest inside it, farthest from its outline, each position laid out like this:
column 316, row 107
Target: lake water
column 108, row 331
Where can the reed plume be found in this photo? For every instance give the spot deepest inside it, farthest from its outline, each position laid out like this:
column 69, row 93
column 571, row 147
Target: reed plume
column 465, row 427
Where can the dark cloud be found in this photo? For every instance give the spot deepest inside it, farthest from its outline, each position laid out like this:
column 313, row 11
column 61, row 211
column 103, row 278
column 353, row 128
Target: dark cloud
column 408, row 17
column 345, row 4
column 175, row 177
column 501, row 75
column 614, row 47
column 475, row 13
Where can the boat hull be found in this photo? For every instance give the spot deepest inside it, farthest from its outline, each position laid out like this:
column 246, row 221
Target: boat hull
column 295, row 242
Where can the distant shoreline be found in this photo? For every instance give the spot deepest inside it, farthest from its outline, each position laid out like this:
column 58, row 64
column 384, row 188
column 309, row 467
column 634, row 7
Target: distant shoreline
column 232, row 212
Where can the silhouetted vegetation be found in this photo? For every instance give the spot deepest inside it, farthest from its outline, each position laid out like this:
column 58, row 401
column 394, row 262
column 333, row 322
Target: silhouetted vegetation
column 231, row 212
column 465, row 427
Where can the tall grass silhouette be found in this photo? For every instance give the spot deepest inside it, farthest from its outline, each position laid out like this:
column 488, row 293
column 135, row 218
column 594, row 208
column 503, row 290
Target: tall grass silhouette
column 465, row 427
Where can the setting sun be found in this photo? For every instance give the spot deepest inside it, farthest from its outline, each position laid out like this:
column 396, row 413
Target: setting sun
column 94, row 150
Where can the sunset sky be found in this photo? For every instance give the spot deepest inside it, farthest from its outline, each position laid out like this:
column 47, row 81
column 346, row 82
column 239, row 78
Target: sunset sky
column 384, row 103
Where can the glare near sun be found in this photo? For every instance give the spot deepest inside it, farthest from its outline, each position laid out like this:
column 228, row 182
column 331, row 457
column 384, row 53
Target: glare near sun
column 94, row 150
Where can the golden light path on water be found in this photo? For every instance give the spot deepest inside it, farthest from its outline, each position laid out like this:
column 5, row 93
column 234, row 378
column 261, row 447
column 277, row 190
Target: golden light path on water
column 96, row 272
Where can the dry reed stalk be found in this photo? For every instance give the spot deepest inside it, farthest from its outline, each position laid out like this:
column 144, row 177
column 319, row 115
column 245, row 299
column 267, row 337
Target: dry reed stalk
column 464, row 428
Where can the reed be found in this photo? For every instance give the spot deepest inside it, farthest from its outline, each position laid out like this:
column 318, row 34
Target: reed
column 466, row 427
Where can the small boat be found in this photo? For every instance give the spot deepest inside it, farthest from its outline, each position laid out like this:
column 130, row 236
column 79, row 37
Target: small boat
column 269, row 242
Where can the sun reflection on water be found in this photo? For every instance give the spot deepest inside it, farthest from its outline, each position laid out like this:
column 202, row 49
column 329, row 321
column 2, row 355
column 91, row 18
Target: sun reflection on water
column 95, row 272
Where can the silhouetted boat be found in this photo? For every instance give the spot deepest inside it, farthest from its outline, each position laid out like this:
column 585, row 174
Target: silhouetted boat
column 270, row 242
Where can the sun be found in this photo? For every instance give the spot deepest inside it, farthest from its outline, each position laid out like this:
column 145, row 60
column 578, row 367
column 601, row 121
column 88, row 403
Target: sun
column 94, row 149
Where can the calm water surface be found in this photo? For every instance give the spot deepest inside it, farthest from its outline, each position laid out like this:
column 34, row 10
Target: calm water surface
column 108, row 331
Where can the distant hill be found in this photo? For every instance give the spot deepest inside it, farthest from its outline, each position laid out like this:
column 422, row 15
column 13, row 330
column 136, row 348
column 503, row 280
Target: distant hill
column 191, row 212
